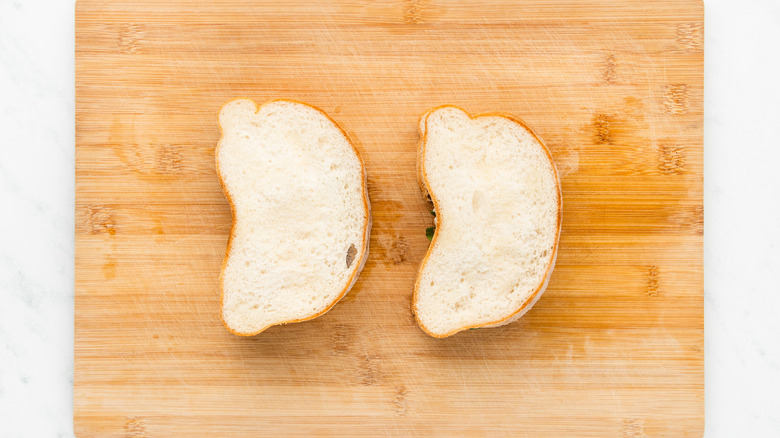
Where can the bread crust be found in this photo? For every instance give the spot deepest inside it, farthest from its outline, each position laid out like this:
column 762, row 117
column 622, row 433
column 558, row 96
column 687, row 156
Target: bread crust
column 424, row 186
column 366, row 229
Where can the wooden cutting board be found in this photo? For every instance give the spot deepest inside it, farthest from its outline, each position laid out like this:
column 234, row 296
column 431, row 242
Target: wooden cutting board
column 613, row 348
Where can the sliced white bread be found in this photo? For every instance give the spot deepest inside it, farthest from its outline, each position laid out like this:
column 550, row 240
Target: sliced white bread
column 301, row 216
column 497, row 198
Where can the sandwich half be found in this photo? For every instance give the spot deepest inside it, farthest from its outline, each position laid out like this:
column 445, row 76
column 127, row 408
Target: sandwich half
column 301, row 216
column 497, row 203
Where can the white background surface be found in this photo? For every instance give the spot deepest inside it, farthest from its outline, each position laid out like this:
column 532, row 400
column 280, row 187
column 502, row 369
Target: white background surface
column 742, row 218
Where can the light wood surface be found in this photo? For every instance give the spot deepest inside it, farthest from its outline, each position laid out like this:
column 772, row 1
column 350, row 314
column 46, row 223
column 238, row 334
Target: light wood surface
column 613, row 348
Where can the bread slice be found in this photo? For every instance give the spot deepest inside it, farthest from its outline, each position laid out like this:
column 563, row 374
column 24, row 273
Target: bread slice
column 301, row 216
column 497, row 199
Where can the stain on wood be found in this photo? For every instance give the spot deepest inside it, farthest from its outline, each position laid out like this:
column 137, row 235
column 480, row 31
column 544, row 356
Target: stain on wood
column 341, row 338
column 109, row 269
column 652, row 281
column 130, row 38
column 690, row 35
column 676, row 99
column 134, row 428
column 602, row 128
column 671, row 160
column 392, row 248
column 399, row 401
column 413, row 10
column 610, row 69
column 100, row 220
column 369, row 369
column 633, row 428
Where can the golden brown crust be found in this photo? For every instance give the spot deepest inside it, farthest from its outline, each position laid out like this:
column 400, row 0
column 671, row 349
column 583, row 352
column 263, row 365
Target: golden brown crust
column 424, row 185
column 366, row 228
column 420, row 182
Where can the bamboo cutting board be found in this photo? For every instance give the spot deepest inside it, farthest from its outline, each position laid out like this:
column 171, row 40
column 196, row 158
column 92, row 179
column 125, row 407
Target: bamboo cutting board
column 613, row 348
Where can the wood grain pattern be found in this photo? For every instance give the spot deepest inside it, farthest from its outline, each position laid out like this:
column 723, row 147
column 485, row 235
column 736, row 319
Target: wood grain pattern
column 613, row 348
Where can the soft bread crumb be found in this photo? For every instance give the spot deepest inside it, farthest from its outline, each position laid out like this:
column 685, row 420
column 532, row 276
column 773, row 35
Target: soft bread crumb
column 297, row 188
column 498, row 209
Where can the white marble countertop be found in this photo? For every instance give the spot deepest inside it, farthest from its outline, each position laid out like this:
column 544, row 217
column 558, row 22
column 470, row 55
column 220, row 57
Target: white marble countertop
column 742, row 218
